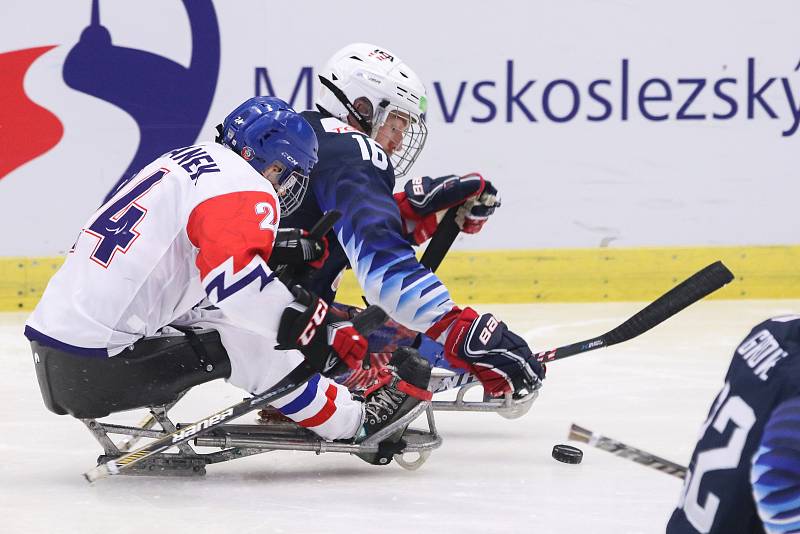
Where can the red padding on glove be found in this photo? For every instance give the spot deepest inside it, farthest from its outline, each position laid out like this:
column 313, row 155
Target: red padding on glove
column 473, row 226
column 350, row 345
column 405, row 207
column 317, row 264
column 438, row 328
column 458, row 331
column 424, row 225
column 494, row 383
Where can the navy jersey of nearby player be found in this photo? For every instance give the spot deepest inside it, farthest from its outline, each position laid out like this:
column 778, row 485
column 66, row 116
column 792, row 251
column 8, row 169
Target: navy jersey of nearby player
column 354, row 175
column 747, row 459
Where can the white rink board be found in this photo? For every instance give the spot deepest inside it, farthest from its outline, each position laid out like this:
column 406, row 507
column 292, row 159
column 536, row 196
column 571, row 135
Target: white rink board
column 599, row 167
column 490, row 475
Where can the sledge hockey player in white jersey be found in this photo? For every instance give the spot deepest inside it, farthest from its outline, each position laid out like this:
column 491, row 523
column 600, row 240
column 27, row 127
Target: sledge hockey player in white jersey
column 119, row 325
column 370, row 122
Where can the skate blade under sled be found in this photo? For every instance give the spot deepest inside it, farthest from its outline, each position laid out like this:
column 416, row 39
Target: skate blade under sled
column 240, row 440
column 508, row 407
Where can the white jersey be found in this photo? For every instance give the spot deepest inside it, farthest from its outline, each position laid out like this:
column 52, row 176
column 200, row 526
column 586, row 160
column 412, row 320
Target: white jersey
column 197, row 222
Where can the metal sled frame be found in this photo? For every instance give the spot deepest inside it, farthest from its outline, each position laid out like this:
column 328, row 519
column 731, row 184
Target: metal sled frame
column 240, row 440
column 507, row 407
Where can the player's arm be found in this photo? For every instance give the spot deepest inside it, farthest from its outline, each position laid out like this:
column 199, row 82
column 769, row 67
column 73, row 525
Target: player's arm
column 775, row 473
column 371, row 234
column 424, row 201
column 234, row 235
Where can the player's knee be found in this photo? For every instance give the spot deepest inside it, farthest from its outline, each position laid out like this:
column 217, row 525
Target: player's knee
column 324, row 407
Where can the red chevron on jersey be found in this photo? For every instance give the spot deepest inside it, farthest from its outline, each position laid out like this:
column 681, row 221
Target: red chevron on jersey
column 237, row 225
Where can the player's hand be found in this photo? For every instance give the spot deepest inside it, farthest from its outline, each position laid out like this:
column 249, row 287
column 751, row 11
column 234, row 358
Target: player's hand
column 294, row 246
column 306, row 326
column 424, row 201
column 474, row 213
column 484, row 346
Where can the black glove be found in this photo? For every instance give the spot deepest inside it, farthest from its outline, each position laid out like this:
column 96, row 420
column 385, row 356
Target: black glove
column 329, row 347
column 295, row 247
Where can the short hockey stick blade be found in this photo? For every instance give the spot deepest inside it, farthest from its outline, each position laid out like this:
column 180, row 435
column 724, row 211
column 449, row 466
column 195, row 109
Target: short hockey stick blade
column 617, row 448
column 365, row 322
column 694, row 288
column 325, row 224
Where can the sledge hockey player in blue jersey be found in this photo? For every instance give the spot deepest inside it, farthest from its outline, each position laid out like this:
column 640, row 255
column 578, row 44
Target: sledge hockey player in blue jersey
column 744, row 476
column 370, row 122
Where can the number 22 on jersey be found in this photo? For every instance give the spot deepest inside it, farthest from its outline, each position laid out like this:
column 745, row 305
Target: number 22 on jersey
column 726, row 410
column 115, row 226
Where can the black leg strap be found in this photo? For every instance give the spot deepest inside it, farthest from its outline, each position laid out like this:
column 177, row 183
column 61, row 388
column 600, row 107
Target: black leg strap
column 197, row 346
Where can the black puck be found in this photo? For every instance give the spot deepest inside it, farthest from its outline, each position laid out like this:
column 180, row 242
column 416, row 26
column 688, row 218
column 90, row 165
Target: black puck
column 567, row 454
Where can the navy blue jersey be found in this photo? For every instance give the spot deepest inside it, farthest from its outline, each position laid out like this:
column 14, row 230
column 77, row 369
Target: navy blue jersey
column 354, row 175
column 747, row 459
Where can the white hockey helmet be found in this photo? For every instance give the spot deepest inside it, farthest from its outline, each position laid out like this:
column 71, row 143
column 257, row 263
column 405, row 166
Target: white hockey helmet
column 373, row 84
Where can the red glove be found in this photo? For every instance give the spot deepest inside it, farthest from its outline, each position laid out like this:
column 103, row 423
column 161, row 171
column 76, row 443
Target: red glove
column 484, row 346
column 425, row 200
column 320, row 261
column 326, row 344
column 474, row 213
column 349, row 344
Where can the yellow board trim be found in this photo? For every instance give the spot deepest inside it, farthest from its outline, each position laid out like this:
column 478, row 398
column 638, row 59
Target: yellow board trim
column 547, row 275
column 596, row 275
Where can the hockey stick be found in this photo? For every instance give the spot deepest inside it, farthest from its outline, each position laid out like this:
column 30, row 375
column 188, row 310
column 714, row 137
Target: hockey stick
column 699, row 285
column 365, row 322
column 694, row 288
column 322, row 227
column 318, row 231
column 442, row 240
column 577, row 433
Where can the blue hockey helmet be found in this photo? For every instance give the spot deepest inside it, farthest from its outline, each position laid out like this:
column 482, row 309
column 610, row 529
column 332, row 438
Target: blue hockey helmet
column 266, row 131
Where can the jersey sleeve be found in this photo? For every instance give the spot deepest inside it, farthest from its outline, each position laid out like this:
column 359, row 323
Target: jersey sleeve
column 775, row 473
column 234, row 234
column 371, row 233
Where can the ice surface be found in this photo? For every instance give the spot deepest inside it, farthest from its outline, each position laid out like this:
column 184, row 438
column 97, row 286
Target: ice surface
column 490, row 475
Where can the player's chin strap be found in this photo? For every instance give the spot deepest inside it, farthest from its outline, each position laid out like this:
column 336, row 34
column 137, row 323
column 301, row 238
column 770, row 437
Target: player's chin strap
column 366, row 124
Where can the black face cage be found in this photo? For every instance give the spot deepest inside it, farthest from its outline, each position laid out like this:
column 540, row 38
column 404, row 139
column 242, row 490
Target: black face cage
column 291, row 192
